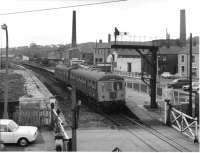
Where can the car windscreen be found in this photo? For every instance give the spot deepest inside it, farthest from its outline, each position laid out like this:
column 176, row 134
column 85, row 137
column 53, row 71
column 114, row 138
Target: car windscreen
column 174, row 81
column 12, row 126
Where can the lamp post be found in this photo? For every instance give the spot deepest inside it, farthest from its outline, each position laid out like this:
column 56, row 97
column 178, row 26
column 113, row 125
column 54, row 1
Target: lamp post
column 190, row 78
column 5, row 114
column 75, row 115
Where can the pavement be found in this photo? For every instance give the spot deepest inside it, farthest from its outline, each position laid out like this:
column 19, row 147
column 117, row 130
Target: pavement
column 137, row 103
column 135, row 139
column 107, row 139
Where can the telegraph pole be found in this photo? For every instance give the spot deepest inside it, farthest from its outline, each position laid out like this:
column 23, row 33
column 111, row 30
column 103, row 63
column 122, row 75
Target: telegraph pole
column 5, row 114
column 190, row 79
column 74, row 119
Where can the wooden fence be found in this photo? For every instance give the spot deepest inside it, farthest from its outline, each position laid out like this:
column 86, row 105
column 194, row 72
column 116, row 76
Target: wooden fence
column 33, row 117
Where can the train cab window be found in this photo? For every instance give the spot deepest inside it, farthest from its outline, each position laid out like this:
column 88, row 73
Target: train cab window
column 117, row 86
column 103, row 87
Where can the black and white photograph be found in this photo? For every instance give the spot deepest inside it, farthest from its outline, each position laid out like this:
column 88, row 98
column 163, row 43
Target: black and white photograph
column 99, row 75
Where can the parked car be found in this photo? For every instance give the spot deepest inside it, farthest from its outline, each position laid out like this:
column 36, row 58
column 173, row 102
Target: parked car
column 12, row 133
column 166, row 75
column 175, row 76
column 195, row 87
column 178, row 83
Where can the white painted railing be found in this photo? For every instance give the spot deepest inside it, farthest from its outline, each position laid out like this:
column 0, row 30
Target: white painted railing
column 176, row 96
column 129, row 74
column 184, row 123
column 61, row 137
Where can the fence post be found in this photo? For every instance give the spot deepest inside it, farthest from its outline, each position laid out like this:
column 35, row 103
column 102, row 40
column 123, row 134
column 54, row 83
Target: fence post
column 181, row 122
column 65, row 144
column 169, row 107
column 59, row 142
column 178, row 97
column 52, row 115
column 196, row 131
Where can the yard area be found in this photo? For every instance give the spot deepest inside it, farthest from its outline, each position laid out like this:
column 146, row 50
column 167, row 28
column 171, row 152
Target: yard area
column 15, row 90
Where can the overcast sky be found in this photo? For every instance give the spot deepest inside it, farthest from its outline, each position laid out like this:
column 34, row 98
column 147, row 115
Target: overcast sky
column 148, row 18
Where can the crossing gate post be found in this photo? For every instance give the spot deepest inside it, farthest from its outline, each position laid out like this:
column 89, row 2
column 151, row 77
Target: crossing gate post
column 169, row 107
column 196, row 131
column 59, row 142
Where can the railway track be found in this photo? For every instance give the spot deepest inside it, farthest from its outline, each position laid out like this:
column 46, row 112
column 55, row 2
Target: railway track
column 132, row 125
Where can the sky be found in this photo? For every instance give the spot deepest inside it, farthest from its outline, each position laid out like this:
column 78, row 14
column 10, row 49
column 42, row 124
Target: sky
column 140, row 18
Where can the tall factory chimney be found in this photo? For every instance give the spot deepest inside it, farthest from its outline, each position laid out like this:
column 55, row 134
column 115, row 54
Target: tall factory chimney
column 182, row 27
column 109, row 38
column 74, row 45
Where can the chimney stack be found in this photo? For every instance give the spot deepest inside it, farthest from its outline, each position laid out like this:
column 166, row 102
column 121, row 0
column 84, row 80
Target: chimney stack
column 109, row 38
column 182, row 27
column 74, row 30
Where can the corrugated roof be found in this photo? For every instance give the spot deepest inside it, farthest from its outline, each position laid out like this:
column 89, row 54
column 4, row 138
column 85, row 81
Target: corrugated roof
column 90, row 74
column 95, row 75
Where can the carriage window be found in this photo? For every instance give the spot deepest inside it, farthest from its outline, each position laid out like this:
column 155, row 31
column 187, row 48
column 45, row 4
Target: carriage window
column 117, row 85
column 94, row 84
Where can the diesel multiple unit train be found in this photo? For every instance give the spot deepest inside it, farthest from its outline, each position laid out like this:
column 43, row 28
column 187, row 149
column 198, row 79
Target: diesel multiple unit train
column 98, row 89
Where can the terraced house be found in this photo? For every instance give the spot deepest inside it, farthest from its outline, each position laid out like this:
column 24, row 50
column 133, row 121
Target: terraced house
column 184, row 62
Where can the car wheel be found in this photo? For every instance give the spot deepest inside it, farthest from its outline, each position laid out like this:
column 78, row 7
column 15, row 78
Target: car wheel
column 23, row 142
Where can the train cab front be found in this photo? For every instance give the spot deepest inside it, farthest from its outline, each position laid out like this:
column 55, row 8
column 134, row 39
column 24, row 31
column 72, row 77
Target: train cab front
column 112, row 95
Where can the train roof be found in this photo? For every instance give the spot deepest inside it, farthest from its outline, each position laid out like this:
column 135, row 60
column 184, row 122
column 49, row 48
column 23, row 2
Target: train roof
column 95, row 75
column 64, row 67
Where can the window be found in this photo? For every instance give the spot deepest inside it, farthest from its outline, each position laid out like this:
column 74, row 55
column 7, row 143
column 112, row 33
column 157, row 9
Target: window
column 12, row 126
column 128, row 67
column 193, row 59
column 103, row 88
column 113, row 57
column 182, row 58
column 3, row 128
column 194, row 72
column 164, row 58
column 117, row 86
column 182, row 69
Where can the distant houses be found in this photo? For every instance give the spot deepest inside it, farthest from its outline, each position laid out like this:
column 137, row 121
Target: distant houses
column 172, row 57
column 184, row 62
column 127, row 61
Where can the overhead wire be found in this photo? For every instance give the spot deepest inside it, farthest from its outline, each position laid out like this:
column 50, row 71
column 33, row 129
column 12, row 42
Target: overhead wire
column 62, row 7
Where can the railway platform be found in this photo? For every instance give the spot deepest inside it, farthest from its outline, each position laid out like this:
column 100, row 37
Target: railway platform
column 155, row 118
